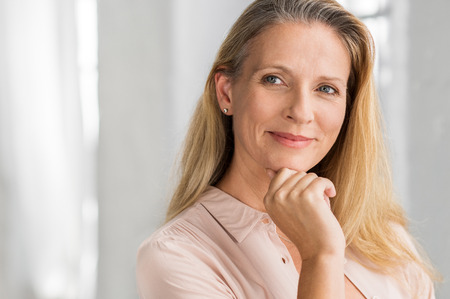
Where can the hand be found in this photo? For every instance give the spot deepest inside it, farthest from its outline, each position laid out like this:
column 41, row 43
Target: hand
column 299, row 205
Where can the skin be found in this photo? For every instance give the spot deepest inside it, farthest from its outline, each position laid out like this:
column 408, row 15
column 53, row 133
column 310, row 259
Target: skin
column 293, row 83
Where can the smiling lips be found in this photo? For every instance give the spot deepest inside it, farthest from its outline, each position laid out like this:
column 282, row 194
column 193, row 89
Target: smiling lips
column 293, row 141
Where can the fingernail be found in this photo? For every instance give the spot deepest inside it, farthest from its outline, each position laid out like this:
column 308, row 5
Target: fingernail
column 270, row 173
column 330, row 192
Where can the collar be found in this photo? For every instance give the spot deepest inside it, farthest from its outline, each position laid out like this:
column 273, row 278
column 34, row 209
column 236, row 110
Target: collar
column 235, row 217
column 239, row 219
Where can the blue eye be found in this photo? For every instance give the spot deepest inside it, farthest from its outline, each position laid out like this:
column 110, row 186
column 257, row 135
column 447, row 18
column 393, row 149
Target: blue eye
column 327, row 89
column 272, row 80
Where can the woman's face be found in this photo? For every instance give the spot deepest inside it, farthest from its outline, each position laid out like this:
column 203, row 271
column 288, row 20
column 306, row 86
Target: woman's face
column 288, row 103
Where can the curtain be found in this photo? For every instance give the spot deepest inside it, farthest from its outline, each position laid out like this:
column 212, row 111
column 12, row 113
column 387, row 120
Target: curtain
column 43, row 181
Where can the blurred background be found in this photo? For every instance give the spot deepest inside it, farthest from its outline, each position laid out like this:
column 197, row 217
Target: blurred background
column 95, row 97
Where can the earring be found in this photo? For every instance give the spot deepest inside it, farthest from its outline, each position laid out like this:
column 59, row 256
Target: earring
column 225, row 110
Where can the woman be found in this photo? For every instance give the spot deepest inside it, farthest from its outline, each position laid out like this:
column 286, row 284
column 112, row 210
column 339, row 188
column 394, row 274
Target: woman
column 288, row 119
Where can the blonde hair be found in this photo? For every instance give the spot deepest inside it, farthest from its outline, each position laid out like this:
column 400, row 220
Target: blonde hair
column 357, row 163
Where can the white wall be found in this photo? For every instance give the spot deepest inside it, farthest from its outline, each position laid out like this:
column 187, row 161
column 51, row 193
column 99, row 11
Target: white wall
column 41, row 157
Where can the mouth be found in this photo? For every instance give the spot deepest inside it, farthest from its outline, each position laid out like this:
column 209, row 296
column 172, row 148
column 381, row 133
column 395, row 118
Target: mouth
column 290, row 140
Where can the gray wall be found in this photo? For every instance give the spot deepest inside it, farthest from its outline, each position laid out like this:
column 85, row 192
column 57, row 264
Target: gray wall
column 133, row 89
column 153, row 59
column 429, row 130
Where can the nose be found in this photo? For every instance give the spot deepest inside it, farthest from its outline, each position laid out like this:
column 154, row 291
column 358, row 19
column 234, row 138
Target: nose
column 300, row 107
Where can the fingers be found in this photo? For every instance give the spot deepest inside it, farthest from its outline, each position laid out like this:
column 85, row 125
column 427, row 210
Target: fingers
column 320, row 186
column 327, row 201
column 280, row 177
column 291, row 180
column 288, row 181
column 298, row 203
column 323, row 185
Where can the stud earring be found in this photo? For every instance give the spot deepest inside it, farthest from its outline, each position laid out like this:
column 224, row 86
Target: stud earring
column 225, row 110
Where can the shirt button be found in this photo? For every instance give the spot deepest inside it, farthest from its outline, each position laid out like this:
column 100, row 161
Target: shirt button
column 375, row 297
column 283, row 260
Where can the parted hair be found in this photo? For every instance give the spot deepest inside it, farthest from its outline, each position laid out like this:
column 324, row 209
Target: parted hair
column 358, row 162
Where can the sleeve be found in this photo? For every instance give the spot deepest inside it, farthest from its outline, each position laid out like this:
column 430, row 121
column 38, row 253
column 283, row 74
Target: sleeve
column 176, row 268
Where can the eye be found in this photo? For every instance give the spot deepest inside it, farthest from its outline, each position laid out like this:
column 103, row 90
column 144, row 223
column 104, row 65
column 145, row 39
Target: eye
column 272, row 80
column 327, row 89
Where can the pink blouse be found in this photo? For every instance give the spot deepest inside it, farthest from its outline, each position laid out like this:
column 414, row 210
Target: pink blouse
column 222, row 248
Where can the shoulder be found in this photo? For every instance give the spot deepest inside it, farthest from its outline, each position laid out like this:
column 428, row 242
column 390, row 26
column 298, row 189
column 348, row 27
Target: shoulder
column 174, row 262
column 195, row 225
column 181, row 237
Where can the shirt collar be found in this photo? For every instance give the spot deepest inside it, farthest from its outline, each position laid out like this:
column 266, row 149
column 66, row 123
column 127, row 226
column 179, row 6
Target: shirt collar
column 237, row 218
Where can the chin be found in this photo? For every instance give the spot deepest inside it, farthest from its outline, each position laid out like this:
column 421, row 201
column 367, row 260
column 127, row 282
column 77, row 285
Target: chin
column 299, row 166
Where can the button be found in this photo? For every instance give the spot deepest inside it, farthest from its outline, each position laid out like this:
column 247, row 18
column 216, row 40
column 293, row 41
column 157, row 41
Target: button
column 285, row 259
column 375, row 297
column 266, row 219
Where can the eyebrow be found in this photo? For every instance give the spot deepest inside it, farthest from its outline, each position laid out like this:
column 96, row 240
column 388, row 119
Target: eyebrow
column 328, row 78
column 290, row 70
column 281, row 67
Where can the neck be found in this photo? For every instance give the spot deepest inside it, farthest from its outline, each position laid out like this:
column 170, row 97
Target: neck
column 245, row 184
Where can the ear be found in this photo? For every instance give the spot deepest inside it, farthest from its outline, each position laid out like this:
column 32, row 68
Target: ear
column 223, row 92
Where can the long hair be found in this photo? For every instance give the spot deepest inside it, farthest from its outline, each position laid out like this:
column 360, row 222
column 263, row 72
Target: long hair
column 358, row 161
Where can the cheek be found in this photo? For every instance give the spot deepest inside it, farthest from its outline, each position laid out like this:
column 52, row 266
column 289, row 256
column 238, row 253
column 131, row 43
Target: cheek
column 332, row 121
column 254, row 110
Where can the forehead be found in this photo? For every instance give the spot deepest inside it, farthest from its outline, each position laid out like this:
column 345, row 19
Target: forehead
column 296, row 46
